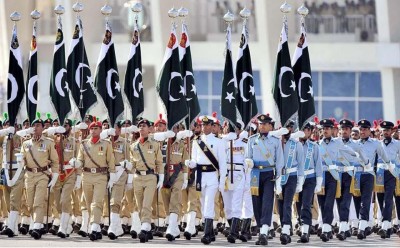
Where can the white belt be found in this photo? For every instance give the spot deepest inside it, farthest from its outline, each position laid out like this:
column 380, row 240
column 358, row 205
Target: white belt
column 235, row 167
column 363, row 169
column 383, row 166
column 345, row 168
column 68, row 167
column 13, row 166
column 330, row 167
column 309, row 172
column 290, row 170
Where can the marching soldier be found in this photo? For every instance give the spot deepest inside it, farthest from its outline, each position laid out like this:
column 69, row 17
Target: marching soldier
column 209, row 159
column 292, row 180
column 364, row 178
column 41, row 164
column 146, row 160
column 264, row 155
column 97, row 159
column 175, row 180
column 70, row 176
column 312, row 183
column 386, row 175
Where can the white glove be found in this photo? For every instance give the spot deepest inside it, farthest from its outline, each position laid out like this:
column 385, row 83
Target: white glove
column 112, row 181
column 249, row 162
column 107, row 132
column 160, row 181
column 300, row 182
column 297, row 135
column 127, row 164
column 184, row 134
column 82, row 125
column 244, row 135
column 278, row 186
column 169, row 134
column 131, row 129
column 159, row 136
column 52, row 130
column 53, row 181
column 24, row 132
column 222, row 184
column 60, row 129
column 318, row 187
column 10, row 183
column 75, row 163
column 278, row 133
column 185, row 181
column 190, row 163
column 230, row 136
column 78, row 182
column 10, row 129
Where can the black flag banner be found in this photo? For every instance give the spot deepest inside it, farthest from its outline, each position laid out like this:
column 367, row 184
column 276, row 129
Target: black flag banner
column 303, row 79
column 245, row 96
column 15, row 84
column 59, row 91
column 185, row 57
column 107, row 79
column 229, row 86
column 284, row 90
column 170, row 84
column 133, row 86
column 32, row 79
column 79, row 77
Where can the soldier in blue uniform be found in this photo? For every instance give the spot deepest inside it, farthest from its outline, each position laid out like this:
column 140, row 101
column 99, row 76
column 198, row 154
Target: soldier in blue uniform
column 312, row 183
column 386, row 174
column 292, row 180
column 265, row 155
column 364, row 177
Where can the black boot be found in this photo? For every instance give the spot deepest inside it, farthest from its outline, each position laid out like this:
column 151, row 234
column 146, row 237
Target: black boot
column 23, row 229
column 208, row 231
column 368, row 231
column 245, row 234
column 143, row 237
column 361, row 234
column 383, row 233
column 341, row 236
column 304, row 238
column 159, row 231
column 76, row 227
column 133, row 234
column 36, row 234
column 234, row 233
column 104, row 230
column 226, row 231
column 93, row 236
column 54, row 229
column 285, row 239
column 262, row 240
column 10, row 233
column 326, row 236
column 82, row 233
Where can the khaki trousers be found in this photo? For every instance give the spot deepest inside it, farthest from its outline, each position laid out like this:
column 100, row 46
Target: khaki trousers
column 94, row 188
column 36, row 194
column 145, row 187
column 172, row 197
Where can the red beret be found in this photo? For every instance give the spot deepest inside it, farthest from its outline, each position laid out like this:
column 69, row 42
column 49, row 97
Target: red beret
column 160, row 120
column 95, row 124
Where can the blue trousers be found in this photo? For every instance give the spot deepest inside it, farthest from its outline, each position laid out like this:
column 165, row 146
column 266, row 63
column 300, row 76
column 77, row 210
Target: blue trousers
column 285, row 204
column 363, row 203
column 327, row 201
column 263, row 204
column 344, row 201
column 385, row 200
column 306, row 198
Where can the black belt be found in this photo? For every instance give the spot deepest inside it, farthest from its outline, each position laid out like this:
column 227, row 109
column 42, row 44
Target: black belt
column 199, row 170
column 37, row 170
column 144, row 173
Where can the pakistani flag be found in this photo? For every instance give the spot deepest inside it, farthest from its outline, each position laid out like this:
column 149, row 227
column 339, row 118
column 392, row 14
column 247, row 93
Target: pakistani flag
column 245, row 95
column 15, row 84
column 133, row 86
column 59, row 91
column 185, row 56
column 284, row 91
column 229, row 86
column 302, row 77
column 32, row 79
column 170, row 84
column 107, row 79
column 79, row 77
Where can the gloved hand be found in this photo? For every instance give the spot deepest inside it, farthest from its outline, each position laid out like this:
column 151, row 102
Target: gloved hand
column 278, row 186
column 160, row 181
column 221, row 186
column 107, row 132
column 24, row 132
column 169, row 134
column 190, row 163
column 244, row 135
column 129, row 182
column 183, row 134
column 112, row 181
column 78, row 182
column 10, row 129
column 318, row 187
column 131, row 129
column 185, row 181
column 230, row 136
column 53, row 181
column 249, row 162
column 82, row 125
column 75, row 163
column 159, row 136
column 60, row 129
column 127, row 164
column 300, row 182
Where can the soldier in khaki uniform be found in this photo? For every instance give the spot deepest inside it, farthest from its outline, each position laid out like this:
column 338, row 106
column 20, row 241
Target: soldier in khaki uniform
column 175, row 181
column 39, row 156
column 70, row 176
column 97, row 159
column 146, row 159
column 122, row 167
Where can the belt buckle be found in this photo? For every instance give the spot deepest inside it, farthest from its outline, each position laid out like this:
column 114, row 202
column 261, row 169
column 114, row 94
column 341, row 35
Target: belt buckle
column 93, row 170
column 35, row 170
column 143, row 173
column 283, row 171
column 260, row 167
column 204, row 168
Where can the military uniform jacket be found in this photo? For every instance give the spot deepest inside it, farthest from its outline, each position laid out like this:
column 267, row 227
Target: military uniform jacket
column 239, row 150
column 316, row 160
column 298, row 156
column 121, row 149
column 101, row 152
column 152, row 154
column 43, row 151
column 178, row 153
column 372, row 148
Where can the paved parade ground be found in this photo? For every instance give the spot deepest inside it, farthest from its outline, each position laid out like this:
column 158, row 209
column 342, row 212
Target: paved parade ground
column 126, row 241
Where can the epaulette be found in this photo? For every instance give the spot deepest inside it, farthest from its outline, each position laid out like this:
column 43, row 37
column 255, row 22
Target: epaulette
column 48, row 138
column 253, row 136
column 106, row 140
column 245, row 140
